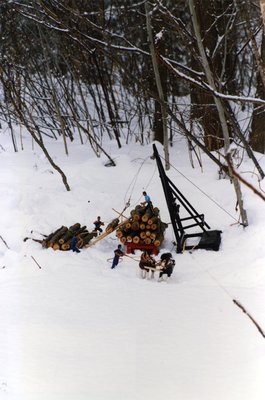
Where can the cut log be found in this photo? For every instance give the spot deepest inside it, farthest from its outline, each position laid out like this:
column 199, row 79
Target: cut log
column 54, row 239
column 123, row 239
column 86, row 239
column 137, row 213
column 153, row 227
column 48, row 238
column 75, row 227
column 65, row 246
column 112, row 225
column 128, row 226
column 142, row 235
column 153, row 235
column 129, row 238
column 136, row 217
column 135, row 226
column 119, row 233
column 153, row 220
column 147, row 240
column 147, row 233
column 123, row 227
column 85, row 233
column 142, row 226
column 81, row 230
column 156, row 211
column 148, row 214
column 136, row 239
column 56, row 246
column 139, row 209
column 74, row 230
column 159, row 239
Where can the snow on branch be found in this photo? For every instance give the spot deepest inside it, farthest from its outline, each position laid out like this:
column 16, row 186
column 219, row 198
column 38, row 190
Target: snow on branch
column 205, row 86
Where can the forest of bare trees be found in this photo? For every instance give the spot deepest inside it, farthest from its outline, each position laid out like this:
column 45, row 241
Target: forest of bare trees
column 150, row 70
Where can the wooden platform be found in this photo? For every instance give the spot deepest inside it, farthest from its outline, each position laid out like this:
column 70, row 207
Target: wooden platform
column 138, row 246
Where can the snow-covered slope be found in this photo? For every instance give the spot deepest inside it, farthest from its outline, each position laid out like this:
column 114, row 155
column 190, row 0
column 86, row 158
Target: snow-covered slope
column 75, row 329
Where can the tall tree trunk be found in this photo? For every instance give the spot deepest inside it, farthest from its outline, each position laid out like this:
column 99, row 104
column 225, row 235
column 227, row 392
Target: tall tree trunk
column 158, row 84
column 257, row 137
column 262, row 7
column 203, row 108
column 214, row 26
column 219, row 106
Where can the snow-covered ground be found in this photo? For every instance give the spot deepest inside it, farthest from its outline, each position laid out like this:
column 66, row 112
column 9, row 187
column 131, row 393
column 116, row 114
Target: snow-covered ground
column 75, row 329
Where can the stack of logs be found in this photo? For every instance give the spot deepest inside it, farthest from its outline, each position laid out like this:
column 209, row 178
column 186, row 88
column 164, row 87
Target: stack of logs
column 143, row 227
column 61, row 238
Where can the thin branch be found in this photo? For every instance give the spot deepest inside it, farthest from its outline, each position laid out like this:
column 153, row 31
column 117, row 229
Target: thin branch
column 239, row 177
column 4, row 242
column 250, row 317
column 36, row 262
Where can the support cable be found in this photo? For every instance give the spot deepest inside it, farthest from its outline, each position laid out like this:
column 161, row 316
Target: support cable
column 205, row 194
column 236, row 302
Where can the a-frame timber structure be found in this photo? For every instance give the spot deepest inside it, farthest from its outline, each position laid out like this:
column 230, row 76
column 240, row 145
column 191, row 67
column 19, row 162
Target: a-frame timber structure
column 209, row 240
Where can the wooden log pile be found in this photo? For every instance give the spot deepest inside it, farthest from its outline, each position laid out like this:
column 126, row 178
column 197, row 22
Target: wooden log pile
column 61, row 238
column 143, row 227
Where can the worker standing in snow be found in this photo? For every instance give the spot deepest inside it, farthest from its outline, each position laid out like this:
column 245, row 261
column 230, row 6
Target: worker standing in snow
column 117, row 254
column 147, row 201
column 74, row 247
column 98, row 223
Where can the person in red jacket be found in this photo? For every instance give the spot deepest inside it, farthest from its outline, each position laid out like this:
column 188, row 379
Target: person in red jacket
column 98, row 223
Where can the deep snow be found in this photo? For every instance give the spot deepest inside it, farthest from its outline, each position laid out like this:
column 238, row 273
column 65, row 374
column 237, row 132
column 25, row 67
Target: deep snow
column 75, row 329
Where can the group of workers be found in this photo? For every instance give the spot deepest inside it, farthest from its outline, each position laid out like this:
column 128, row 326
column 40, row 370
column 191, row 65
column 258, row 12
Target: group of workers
column 74, row 241
column 148, row 265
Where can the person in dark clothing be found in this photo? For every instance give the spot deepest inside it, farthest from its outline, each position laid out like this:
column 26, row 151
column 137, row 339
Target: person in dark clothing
column 117, row 254
column 147, row 202
column 98, row 223
column 74, row 247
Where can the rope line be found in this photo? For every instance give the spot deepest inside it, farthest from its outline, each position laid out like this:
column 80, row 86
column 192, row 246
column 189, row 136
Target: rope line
column 133, row 183
column 236, row 302
column 205, row 194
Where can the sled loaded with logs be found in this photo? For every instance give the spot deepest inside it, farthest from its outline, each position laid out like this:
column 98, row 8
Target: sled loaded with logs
column 144, row 230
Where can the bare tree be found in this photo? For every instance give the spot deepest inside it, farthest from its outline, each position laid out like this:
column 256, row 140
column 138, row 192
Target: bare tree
column 158, row 84
column 220, row 108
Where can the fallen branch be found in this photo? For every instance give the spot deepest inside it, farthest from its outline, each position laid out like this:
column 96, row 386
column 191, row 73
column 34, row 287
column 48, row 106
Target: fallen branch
column 35, row 240
column 250, row 317
column 36, row 262
column 4, row 242
column 42, row 234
